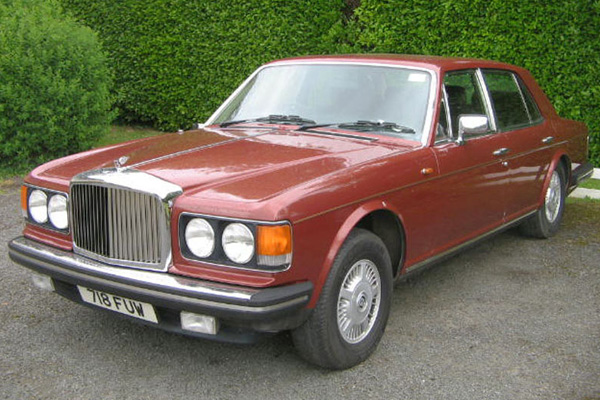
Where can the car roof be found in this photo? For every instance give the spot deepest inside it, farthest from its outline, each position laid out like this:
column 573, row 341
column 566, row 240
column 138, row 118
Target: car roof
column 431, row 62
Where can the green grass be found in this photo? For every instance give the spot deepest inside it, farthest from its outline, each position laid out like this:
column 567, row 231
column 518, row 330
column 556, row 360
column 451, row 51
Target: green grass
column 576, row 200
column 591, row 184
column 124, row 133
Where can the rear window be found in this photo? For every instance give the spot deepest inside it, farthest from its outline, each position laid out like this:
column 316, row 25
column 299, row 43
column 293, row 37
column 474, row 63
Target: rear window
column 513, row 104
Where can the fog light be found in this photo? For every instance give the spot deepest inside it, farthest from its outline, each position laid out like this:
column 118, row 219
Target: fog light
column 199, row 323
column 43, row 282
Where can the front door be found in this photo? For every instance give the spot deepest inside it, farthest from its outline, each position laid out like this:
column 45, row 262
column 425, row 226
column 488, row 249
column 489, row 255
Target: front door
column 473, row 178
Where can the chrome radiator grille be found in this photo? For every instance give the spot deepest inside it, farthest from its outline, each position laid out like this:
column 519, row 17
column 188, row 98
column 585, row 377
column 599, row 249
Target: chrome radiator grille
column 119, row 226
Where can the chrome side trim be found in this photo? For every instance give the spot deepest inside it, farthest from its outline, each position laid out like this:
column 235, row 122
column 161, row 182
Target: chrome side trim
column 439, row 257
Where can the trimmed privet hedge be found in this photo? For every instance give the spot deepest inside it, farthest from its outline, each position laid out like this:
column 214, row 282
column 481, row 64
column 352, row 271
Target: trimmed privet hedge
column 176, row 61
column 54, row 85
column 558, row 41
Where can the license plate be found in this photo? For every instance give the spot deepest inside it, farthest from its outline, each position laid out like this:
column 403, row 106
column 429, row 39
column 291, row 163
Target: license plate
column 120, row 304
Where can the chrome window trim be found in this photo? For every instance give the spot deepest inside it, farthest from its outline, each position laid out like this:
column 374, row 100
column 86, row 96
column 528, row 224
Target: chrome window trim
column 140, row 182
column 487, row 100
column 444, row 99
column 525, row 92
column 427, row 126
column 514, row 77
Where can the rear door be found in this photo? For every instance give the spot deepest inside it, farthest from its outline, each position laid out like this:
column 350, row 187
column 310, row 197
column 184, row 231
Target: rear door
column 528, row 139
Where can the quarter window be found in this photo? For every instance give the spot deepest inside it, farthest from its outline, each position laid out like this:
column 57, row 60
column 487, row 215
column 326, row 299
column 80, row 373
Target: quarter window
column 513, row 104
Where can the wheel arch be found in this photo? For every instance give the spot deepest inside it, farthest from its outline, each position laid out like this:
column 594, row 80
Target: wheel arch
column 560, row 159
column 379, row 218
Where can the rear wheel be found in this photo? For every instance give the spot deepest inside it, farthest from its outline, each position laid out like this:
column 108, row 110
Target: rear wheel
column 351, row 315
column 546, row 221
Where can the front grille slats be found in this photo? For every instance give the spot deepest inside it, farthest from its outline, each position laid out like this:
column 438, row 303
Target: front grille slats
column 118, row 225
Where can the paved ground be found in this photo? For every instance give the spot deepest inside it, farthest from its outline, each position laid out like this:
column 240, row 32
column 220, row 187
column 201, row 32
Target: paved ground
column 510, row 319
column 582, row 193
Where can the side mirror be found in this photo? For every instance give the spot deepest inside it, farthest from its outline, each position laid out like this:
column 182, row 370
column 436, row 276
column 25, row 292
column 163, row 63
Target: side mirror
column 471, row 124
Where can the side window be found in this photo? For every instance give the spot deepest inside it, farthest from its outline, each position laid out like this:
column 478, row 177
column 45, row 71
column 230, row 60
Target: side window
column 464, row 96
column 510, row 100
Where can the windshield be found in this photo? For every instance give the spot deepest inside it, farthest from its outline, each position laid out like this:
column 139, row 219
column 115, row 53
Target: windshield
column 336, row 94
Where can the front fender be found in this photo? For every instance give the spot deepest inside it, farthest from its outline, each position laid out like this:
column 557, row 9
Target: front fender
column 342, row 233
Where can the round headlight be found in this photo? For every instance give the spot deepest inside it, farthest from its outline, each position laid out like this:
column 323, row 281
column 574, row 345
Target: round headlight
column 200, row 237
column 57, row 211
column 238, row 243
column 38, row 207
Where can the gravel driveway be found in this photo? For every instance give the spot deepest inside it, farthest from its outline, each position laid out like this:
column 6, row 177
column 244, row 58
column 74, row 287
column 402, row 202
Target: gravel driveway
column 512, row 318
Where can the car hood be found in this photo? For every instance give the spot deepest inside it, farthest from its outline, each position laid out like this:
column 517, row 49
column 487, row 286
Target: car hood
column 242, row 165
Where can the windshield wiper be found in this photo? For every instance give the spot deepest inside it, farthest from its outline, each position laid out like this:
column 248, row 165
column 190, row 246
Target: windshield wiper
column 273, row 118
column 363, row 125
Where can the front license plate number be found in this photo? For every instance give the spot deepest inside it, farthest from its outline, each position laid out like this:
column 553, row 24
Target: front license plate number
column 123, row 305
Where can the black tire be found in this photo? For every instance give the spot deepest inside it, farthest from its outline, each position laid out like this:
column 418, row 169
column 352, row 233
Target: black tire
column 320, row 339
column 540, row 225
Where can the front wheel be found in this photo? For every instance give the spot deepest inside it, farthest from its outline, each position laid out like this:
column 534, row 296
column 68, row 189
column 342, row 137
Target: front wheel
column 546, row 221
column 350, row 317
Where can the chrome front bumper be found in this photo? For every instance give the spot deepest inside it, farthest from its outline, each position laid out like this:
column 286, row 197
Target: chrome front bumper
column 259, row 309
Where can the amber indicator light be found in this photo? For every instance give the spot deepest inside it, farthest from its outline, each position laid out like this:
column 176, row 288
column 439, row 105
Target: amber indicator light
column 24, row 198
column 274, row 240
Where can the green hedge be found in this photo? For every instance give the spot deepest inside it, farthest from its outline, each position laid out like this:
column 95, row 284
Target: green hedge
column 54, row 85
column 176, row 61
column 556, row 40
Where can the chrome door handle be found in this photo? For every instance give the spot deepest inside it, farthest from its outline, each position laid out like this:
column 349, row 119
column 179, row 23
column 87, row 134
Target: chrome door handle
column 548, row 140
column 501, row 152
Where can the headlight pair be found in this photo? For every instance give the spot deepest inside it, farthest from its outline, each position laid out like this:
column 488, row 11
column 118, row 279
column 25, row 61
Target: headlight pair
column 246, row 244
column 237, row 240
column 46, row 207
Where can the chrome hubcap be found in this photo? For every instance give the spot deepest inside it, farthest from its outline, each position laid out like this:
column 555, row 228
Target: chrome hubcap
column 358, row 301
column 553, row 198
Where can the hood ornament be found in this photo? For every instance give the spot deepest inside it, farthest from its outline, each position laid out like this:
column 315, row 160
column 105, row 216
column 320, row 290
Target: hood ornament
column 120, row 162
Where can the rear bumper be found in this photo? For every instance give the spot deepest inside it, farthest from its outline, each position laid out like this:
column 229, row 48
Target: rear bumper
column 242, row 311
column 581, row 173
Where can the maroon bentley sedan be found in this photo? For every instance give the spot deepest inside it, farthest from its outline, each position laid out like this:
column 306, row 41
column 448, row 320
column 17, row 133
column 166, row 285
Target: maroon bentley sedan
column 318, row 183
